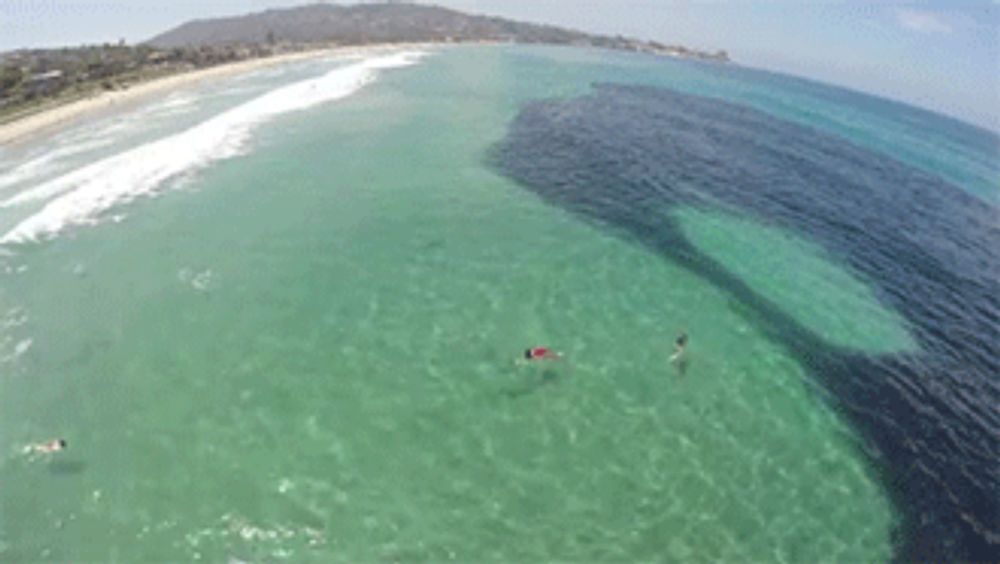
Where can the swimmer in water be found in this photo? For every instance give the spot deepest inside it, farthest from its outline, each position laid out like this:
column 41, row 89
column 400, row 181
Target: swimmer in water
column 541, row 353
column 50, row 447
column 680, row 344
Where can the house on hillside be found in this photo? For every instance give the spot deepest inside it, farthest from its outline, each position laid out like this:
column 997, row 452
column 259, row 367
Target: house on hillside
column 44, row 83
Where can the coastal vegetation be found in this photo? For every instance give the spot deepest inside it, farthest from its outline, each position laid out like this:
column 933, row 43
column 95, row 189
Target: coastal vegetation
column 35, row 79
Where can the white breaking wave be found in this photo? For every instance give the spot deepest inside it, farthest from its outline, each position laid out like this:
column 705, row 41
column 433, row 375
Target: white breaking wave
column 85, row 138
column 86, row 192
column 175, row 102
column 43, row 164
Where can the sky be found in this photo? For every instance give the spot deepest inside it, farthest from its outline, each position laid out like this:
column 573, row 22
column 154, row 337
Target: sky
column 941, row 55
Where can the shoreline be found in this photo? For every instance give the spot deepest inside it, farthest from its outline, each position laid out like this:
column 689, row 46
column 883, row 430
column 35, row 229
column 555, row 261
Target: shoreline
column 61, row 115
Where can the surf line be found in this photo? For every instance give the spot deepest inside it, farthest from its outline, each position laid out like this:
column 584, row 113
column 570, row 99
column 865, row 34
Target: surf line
column 78, row 197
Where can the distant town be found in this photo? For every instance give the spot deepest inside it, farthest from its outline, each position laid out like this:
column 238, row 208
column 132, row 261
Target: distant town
column 34, row 79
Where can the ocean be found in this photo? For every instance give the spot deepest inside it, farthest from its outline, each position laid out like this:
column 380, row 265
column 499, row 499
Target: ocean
column 282, row 316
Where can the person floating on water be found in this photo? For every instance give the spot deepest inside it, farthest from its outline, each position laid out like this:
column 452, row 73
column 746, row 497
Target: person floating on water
column 541, row 353
column 680, row 344
column 48, row 447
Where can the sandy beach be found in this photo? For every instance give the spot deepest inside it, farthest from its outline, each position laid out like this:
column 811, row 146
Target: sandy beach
column 61, row 115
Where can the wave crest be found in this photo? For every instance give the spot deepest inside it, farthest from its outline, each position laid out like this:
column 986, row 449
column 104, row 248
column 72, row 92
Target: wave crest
column 86, row 192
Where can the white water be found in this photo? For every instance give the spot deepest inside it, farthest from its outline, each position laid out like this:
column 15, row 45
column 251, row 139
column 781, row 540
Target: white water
column 44, row 163
column 54, row 161
column 79, row 197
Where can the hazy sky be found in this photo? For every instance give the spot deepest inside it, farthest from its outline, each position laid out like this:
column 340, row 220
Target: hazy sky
column 943, row 55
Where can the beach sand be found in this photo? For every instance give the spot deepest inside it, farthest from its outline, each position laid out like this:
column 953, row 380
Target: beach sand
column 64, row 114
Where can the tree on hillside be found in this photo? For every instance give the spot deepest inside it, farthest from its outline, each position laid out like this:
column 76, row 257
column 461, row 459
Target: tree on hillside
column 10, row 76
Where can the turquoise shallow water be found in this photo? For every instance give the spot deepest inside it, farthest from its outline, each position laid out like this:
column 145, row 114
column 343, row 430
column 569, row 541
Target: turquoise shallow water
column 308, row 352
column 802, row 279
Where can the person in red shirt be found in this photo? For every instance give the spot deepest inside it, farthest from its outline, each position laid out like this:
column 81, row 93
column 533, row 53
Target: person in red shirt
column 541, row 353
column 49, row 447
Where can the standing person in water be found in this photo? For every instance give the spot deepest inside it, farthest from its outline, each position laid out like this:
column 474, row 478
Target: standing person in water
column 680, row 344
column 541, row 353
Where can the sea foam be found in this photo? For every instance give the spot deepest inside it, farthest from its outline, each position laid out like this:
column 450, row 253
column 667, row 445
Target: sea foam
column 43, row 164
column 80, row 196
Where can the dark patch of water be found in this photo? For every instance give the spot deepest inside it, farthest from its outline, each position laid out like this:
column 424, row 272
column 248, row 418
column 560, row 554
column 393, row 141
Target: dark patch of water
column 624, row 156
